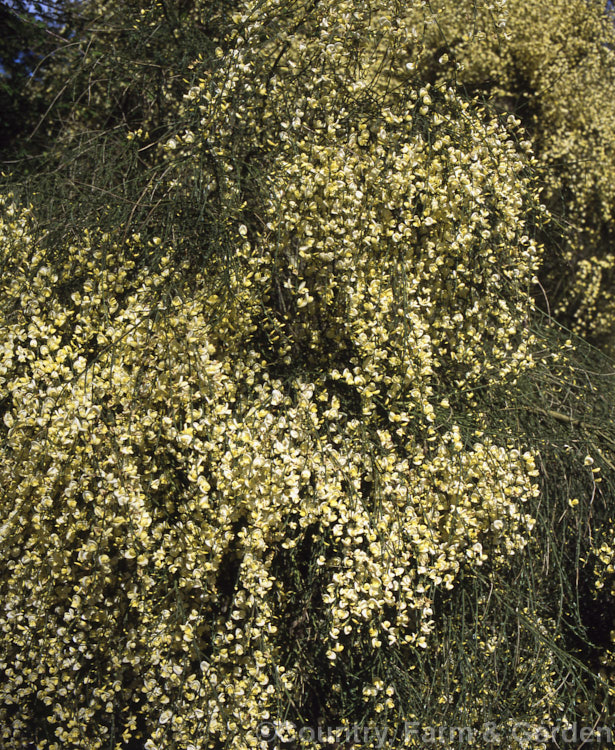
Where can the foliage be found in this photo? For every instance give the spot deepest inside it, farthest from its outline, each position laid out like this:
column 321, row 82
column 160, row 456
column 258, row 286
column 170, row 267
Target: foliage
column 285, row 441
column 553, row 66
column 30, row 35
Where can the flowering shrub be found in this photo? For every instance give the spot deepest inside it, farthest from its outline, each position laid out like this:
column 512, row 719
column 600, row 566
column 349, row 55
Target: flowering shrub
column 247, row 455
column 551, row 65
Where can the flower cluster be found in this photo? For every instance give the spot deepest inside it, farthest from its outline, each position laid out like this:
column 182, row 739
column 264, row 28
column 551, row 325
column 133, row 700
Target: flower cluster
column 149, row 482
column 553, row 67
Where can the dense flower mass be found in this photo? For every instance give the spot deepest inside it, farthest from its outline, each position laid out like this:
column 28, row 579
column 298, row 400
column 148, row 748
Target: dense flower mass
column 553, row 66
column 246, row 458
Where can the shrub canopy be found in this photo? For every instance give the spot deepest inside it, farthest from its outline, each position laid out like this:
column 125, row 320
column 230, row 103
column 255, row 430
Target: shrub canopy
column 286, row 442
